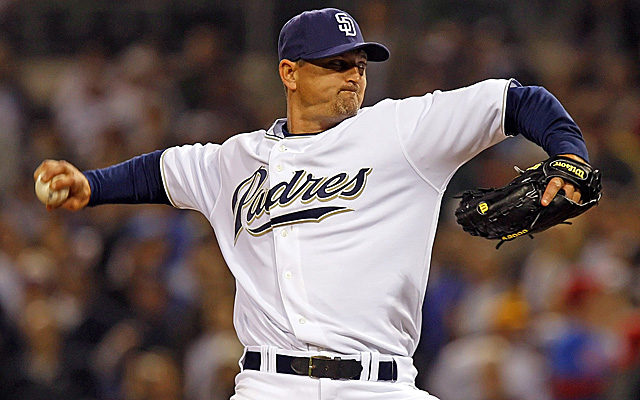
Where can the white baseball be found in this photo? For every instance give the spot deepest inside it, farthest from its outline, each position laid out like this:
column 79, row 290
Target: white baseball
column 48, row 196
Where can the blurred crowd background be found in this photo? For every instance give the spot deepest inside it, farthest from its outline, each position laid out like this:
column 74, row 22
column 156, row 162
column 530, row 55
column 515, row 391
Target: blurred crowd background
column 135, row 302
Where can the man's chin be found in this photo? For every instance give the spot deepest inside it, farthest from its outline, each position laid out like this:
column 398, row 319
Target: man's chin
column 347, row 107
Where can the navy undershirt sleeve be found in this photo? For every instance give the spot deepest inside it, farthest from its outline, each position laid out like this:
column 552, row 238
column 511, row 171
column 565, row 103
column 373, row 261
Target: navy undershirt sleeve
column 135, row 181
column 537, row 115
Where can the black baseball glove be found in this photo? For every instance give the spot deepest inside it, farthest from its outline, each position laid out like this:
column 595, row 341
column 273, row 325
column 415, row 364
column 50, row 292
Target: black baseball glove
column 515, row 210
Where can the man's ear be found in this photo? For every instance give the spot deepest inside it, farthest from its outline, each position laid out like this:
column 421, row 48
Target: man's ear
column 287, row 71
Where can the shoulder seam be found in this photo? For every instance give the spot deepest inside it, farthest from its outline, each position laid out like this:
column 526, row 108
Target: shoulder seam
column 502, row 119
column 504, row 107
column 406, row 155
column 164, row 181
column 215, row 206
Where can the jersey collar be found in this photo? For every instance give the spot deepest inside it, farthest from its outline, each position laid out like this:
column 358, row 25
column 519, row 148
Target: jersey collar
column 275, row 132
column 279, row 131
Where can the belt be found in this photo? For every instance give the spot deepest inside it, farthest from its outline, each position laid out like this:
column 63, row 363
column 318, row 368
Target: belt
column 321, row 366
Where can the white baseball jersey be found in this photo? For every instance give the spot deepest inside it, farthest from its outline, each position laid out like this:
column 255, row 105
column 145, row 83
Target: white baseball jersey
column 329, row 236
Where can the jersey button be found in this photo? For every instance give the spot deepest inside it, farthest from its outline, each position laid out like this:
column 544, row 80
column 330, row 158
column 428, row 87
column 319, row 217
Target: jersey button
column 302, row 320
column 279, row 168
column 288, row 275
column 283, row 148
column 284, row 233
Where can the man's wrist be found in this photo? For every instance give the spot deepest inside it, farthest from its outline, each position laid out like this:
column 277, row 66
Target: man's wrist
column 574, row 157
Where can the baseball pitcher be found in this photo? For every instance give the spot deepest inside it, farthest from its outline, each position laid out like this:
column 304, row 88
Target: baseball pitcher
column 327, row 219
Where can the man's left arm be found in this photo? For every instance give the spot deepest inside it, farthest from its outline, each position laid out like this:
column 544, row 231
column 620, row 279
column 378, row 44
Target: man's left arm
column 537, row 115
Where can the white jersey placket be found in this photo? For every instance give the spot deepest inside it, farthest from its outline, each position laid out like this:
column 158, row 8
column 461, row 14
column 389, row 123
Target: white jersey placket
column 288, row 258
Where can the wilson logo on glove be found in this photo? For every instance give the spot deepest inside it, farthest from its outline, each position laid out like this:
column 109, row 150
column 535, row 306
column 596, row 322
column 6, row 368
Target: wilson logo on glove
column 483, row 207
column 574, row 169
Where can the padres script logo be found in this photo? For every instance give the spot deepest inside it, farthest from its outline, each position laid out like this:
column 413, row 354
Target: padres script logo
column 252, row 199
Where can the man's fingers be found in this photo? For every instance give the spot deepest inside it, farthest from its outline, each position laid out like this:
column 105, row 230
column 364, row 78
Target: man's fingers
column 50, row 168
column 64, row 181
column 72, row 204
column 41, row 168
column 557, row 184
column 571, row 193
column 576, row 196
column 568, row 191
column 552, row 189
column 67, row 176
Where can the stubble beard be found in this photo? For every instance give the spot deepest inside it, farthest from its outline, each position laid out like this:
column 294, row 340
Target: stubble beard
column 346, row 106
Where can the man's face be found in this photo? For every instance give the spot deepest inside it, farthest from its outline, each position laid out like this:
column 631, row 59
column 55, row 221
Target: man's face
column 333, row 86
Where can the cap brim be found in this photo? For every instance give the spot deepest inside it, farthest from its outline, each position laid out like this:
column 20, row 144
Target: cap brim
column 375, row 51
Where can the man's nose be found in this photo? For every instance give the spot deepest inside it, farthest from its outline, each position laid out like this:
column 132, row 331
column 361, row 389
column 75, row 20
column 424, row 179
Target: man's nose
column 355, row 73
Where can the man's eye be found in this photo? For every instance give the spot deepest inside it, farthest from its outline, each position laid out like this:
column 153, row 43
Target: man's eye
column 338, row 65
column 343, row 65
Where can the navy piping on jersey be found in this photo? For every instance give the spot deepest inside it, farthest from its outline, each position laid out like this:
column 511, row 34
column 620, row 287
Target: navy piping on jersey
column 286, row 133
column 530, row 111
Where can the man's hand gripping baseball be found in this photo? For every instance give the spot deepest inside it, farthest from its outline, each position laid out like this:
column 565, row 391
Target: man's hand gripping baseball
column 79, row 189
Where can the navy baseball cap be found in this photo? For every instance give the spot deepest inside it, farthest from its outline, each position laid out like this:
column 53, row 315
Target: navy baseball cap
column 323, row 33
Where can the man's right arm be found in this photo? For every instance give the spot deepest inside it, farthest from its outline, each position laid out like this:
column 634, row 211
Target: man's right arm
column 135, row 181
